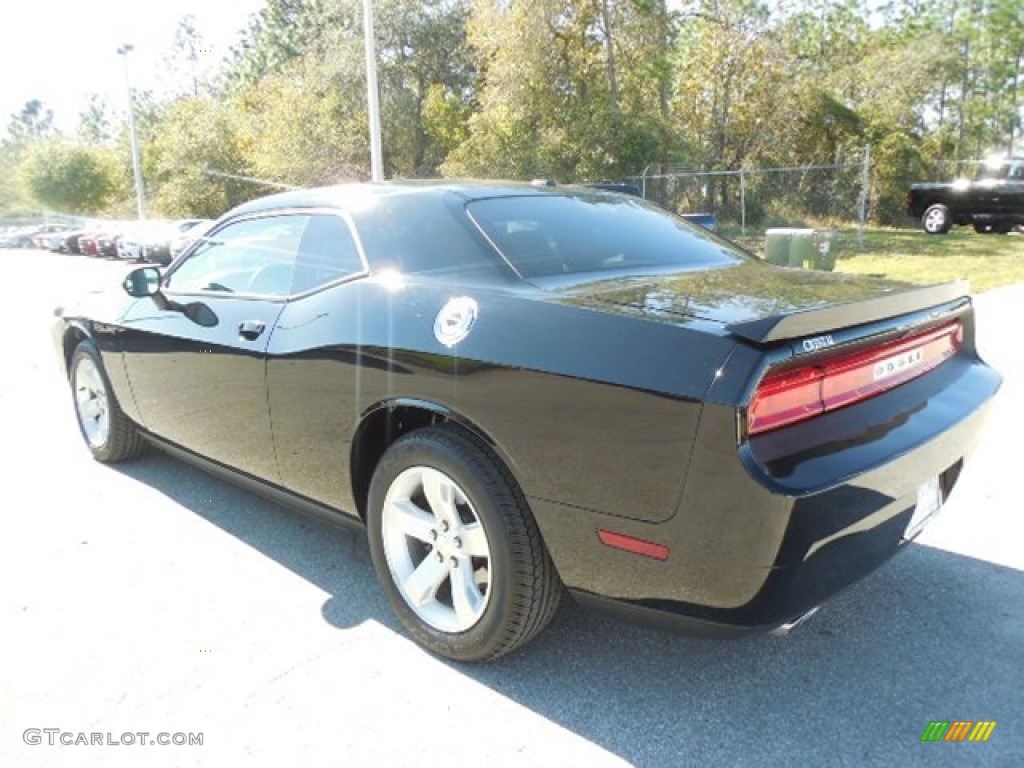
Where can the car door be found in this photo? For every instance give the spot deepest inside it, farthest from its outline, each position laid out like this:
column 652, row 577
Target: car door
column 196, row 353
column 313, row 363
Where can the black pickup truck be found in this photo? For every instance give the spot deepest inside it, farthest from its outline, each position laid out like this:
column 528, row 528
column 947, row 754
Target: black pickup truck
column 993, row 202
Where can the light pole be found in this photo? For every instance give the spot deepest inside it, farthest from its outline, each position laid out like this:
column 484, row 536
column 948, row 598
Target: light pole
column 372, row 94
column 124, row 50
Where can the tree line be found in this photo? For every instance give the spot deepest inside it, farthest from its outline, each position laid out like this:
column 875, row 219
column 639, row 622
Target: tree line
column 576, row 90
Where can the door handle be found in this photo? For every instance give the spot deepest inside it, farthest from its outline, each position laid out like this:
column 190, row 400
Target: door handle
column 250, row 330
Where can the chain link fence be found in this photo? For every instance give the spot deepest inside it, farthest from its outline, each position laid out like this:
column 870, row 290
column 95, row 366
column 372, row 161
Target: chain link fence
column 751, row 200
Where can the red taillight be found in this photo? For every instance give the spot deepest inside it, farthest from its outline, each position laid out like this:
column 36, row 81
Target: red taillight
column 794, row 395
column 785, row 397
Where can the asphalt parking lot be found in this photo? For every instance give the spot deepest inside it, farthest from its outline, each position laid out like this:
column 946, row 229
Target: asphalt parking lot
column 154, row 598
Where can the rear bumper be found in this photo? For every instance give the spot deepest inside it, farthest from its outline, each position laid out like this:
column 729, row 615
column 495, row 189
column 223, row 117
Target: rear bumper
column 734, row 598
column 748, row 551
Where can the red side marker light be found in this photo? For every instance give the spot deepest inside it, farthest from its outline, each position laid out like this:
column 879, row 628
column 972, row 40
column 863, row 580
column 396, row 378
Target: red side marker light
column 631, row 544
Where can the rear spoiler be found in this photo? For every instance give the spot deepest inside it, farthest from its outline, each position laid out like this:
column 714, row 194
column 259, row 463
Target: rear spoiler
column 815, row 322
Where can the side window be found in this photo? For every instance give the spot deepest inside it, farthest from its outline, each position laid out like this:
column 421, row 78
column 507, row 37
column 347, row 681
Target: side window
column 327, row 253
column 423, row 234
column 1017, row 172
column 255, row 256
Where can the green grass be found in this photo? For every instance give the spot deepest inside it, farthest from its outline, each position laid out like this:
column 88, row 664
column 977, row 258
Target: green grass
column 988, row 261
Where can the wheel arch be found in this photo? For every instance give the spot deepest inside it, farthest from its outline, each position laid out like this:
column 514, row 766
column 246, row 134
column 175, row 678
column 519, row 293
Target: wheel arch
column 385, row 422
column 74, row 334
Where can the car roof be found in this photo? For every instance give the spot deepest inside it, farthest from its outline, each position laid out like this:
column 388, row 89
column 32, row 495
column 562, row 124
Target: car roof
column 356, row 195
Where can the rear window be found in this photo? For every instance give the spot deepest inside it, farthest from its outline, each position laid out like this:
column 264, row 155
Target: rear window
column 544, row 236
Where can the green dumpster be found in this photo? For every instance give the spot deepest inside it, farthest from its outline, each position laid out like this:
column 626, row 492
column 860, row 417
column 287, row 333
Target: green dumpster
column 801, row 249
column 776, row 245
column 825, row 249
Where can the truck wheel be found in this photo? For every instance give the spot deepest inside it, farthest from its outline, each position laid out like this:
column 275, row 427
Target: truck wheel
column 988, row 228
column 936, row 220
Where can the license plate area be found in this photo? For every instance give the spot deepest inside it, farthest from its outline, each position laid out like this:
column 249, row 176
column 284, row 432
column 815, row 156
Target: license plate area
column 929, row 503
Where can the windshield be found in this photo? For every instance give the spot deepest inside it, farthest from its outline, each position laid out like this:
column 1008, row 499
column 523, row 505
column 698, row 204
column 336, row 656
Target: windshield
column 544, row 236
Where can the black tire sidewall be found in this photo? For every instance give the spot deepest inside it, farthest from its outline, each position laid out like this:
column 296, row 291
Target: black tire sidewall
column 439, row 450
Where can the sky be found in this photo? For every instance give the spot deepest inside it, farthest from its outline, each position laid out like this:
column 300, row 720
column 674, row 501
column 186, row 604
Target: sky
column 61, row 51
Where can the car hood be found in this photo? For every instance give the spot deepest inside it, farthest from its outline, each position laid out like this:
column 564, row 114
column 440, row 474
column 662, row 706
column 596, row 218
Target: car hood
column 759, row 301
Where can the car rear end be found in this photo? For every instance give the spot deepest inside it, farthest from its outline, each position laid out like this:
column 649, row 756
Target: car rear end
column 853, row 440
column 816, row 459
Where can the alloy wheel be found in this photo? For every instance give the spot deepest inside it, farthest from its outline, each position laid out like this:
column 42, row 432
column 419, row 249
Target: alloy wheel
column 935, row 221
column 436, row 549
column 92, row 403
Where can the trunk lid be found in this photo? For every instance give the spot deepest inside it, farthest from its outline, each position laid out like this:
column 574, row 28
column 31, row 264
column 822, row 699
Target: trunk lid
column 759, row 302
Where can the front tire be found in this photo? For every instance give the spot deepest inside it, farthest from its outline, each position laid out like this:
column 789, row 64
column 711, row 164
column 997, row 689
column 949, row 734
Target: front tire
column 109, row 434
column 937, row 219
column 456, row 547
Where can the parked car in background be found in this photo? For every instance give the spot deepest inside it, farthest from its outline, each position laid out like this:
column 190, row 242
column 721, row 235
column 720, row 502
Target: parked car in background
column 29, row 236
column 189, row 236
column 20, row 237
column 140, row 238
column 993, row 202
column 107, row 241
column 87, row 242
column 160, row 238
column 53, row 240
column 100, row 239
column 70, row 242
column 129, row 245
column 518, row 390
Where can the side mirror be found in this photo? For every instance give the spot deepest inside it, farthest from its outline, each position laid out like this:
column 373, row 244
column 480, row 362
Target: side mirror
column 142, row 282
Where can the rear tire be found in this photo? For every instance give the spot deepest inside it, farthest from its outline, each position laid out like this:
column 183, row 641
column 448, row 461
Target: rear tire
column 456, row 548
column 937, row 219
column 109, row 434
column 990, row 228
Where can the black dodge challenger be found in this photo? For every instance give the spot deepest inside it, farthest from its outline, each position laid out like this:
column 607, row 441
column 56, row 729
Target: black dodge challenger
column 520, row 390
